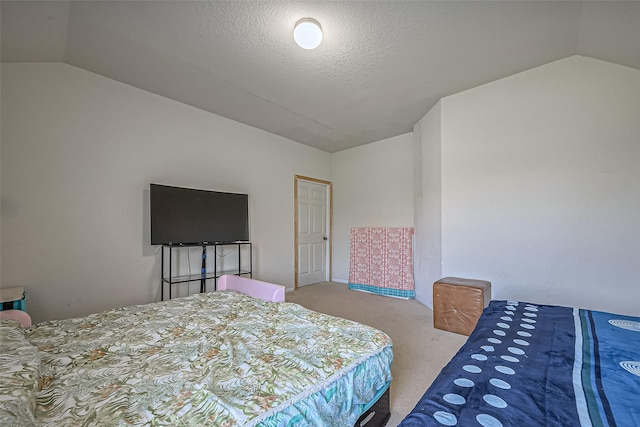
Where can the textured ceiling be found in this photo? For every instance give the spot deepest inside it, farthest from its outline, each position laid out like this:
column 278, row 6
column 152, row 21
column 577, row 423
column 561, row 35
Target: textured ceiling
column 382, row 64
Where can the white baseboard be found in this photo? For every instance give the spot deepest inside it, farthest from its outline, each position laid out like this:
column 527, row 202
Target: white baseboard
column 339, row 280
column 424, row 302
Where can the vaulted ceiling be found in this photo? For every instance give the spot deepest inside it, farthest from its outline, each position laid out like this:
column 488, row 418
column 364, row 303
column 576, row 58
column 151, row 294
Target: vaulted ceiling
column 381, row 66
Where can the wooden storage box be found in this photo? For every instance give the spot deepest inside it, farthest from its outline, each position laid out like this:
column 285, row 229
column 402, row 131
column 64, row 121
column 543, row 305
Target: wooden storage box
column 458, row 303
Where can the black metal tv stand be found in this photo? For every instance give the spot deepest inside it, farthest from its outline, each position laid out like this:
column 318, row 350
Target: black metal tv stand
column 170, row 279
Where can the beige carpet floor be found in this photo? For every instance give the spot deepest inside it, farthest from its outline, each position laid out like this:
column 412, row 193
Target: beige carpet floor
column 420, row 351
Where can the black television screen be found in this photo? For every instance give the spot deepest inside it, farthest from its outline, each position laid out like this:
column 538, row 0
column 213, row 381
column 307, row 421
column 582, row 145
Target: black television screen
column 188, row 216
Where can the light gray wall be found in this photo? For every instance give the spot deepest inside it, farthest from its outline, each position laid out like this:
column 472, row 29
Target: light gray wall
column 78, row 154
column 0, row 177
column 372, row 187
column 541, row 185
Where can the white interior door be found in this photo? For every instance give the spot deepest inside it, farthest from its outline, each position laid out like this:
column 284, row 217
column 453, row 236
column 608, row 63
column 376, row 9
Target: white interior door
column 312, row 233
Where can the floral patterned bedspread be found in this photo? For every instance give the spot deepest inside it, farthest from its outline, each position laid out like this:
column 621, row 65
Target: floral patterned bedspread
column 220, row 359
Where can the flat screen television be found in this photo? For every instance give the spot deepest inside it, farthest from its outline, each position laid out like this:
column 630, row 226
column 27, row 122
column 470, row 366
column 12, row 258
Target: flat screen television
column 186, row 216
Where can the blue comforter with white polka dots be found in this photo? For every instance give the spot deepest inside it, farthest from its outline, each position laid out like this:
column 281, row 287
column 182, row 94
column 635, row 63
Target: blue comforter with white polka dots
column 539, row 365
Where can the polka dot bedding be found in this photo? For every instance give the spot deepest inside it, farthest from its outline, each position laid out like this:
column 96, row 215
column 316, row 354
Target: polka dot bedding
column 539, row 365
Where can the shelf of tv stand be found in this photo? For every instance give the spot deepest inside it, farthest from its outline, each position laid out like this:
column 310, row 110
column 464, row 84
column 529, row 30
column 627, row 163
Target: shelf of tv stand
column 171, row 279
column 207, row 276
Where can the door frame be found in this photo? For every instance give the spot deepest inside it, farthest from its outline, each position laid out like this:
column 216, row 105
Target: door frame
column 329, row 186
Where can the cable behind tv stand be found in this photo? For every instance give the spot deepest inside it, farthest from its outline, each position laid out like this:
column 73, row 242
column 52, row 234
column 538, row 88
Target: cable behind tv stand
column 170, row 277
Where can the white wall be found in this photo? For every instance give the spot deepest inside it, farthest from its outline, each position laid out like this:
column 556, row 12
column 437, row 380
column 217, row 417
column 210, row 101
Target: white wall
column 428, row 204
column 541, row 185
column 78, row 154
column 372, row 187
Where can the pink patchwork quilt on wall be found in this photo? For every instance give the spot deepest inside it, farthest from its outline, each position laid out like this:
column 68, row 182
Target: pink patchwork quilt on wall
column 381, row 261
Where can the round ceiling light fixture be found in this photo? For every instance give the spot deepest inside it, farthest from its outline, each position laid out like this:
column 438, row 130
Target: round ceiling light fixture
column 307, row 33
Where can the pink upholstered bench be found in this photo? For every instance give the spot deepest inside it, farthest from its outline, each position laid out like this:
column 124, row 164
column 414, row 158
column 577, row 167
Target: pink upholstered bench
column 19, row 315
column 256, row 288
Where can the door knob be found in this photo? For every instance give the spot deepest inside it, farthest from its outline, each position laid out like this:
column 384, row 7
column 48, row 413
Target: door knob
column 324, row 238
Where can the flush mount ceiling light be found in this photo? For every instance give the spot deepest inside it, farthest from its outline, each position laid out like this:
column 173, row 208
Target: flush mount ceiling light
column 307, row 33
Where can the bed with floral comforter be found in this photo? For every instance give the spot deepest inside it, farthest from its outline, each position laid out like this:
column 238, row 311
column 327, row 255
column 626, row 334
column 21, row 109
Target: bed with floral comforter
column 219, row 359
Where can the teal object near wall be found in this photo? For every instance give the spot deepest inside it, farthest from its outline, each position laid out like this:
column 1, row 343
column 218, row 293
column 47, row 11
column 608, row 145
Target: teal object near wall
column 13, row 299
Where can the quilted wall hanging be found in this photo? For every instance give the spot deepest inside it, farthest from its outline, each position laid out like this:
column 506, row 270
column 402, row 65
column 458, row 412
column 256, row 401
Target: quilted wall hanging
column 381, row 261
